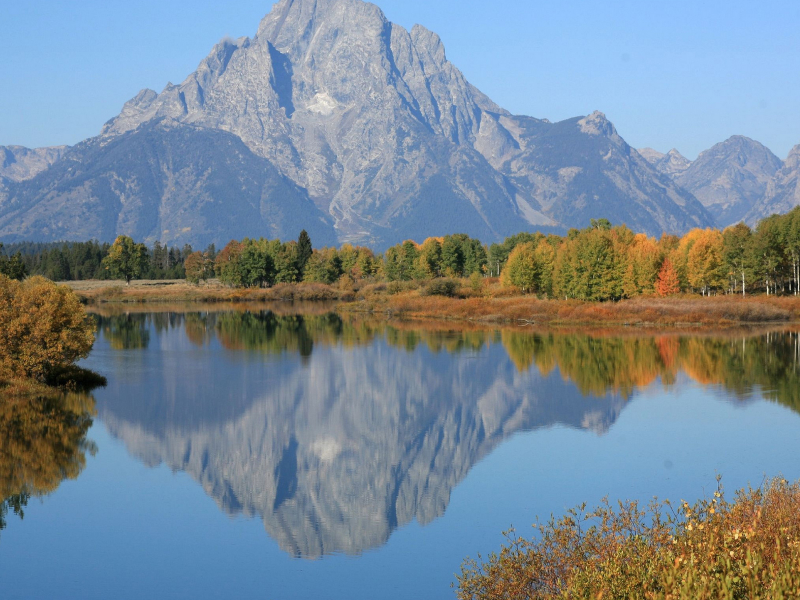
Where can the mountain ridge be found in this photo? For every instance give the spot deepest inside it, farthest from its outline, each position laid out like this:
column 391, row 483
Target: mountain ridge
column 389, row 140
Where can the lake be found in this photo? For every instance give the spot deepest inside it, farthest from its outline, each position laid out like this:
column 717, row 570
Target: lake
column 262, row 453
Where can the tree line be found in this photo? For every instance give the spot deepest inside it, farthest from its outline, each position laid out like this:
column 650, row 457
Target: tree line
column 601, row 262
column 76, row 261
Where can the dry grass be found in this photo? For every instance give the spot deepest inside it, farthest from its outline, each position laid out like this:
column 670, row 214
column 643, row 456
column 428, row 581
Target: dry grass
column 684, row 311
column 97, row 292
column 491, row 304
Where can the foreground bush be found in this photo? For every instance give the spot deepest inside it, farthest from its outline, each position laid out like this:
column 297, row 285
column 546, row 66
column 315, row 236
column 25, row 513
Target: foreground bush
column 43, row 329
column 748, row 548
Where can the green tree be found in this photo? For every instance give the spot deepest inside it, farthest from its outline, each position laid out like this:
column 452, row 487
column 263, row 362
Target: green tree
column 126, row 259
column 736, row 254
column 767, row 254
column 12, row 267
column 256, row 265
column 304, row 251
column 324, row 266
column 452, row 256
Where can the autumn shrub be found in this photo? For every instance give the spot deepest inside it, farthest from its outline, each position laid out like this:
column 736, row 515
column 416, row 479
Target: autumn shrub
column 43, row 328
column 441, row 287
column 715, row 549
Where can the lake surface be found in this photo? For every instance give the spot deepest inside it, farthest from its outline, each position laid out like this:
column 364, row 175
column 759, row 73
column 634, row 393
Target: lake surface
column 264, row 454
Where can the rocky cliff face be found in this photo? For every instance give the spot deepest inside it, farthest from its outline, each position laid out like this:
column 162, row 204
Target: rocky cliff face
column 18, row 163
column 390, row 140
column 782, row 193
column 730, row 178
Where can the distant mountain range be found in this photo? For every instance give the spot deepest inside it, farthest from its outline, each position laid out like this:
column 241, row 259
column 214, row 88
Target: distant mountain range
column 334, row 119
column 736, row 180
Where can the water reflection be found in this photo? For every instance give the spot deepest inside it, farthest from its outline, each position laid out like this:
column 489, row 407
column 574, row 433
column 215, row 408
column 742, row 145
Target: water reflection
column 336, row 432
column 42, row 442
column 127, row 332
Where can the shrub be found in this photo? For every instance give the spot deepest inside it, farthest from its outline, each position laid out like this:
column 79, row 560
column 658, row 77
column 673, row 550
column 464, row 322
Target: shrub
column 43, row 328
column 749, row 548
column 441, row 287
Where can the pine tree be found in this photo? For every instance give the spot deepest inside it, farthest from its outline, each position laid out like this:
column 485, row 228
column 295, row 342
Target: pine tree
column 304, row 251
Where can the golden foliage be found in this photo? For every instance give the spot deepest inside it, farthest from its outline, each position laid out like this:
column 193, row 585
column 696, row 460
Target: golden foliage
column 42, row 442
column 43, row 328
column 745, row 549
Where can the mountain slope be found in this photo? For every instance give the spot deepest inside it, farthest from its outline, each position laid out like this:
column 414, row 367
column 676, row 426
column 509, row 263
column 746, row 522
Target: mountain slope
column 730, row 178
column 180, row 184
column 782, row 193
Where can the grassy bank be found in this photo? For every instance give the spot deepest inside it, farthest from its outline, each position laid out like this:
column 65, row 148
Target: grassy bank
column 745, row 549
column 488, row 303
column 102, row 292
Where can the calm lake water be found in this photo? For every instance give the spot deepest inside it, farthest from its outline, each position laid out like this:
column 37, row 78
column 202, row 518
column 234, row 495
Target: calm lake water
column 269, row 455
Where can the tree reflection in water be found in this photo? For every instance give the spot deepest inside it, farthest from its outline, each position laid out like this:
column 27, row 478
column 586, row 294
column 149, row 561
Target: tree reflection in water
column 42, row 443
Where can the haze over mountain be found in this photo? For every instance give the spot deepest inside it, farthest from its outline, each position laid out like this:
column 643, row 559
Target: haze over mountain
column 365, row 119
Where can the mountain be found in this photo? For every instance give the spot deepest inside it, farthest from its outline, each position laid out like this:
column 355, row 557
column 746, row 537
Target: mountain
column 672, row 163
column 730, row 178
column 18, row 163
column 148, row 181
column 384, row 135
column 782, row 193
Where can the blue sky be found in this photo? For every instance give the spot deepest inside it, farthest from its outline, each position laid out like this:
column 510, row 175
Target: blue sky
column 668, row 74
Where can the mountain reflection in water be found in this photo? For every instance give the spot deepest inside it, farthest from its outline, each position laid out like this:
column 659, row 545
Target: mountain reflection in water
column 336, row 432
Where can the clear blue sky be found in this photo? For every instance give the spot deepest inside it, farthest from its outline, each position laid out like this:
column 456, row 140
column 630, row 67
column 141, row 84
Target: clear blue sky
column 682, row 74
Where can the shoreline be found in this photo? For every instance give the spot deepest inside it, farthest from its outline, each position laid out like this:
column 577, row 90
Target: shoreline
column 678, row 312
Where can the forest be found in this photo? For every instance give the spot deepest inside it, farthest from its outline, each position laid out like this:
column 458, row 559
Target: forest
column 599, row 263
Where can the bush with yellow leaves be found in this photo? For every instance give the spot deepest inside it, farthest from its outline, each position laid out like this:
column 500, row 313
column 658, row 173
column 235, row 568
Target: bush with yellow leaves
column 44, row 329
column 748, row 548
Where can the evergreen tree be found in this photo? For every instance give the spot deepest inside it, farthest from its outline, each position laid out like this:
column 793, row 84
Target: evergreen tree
column 304, row 251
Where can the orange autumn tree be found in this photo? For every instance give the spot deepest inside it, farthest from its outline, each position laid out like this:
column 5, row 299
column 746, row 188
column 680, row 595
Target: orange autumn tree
column 667, row 282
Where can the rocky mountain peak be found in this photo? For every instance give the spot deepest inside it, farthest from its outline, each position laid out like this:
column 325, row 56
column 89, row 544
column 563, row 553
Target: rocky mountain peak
column 597, row 124
column 730, row 177
column 671, row 163
column 793, row 160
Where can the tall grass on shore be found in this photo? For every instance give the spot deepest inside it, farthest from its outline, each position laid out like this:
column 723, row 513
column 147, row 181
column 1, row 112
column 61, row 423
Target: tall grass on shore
column 745, row 549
